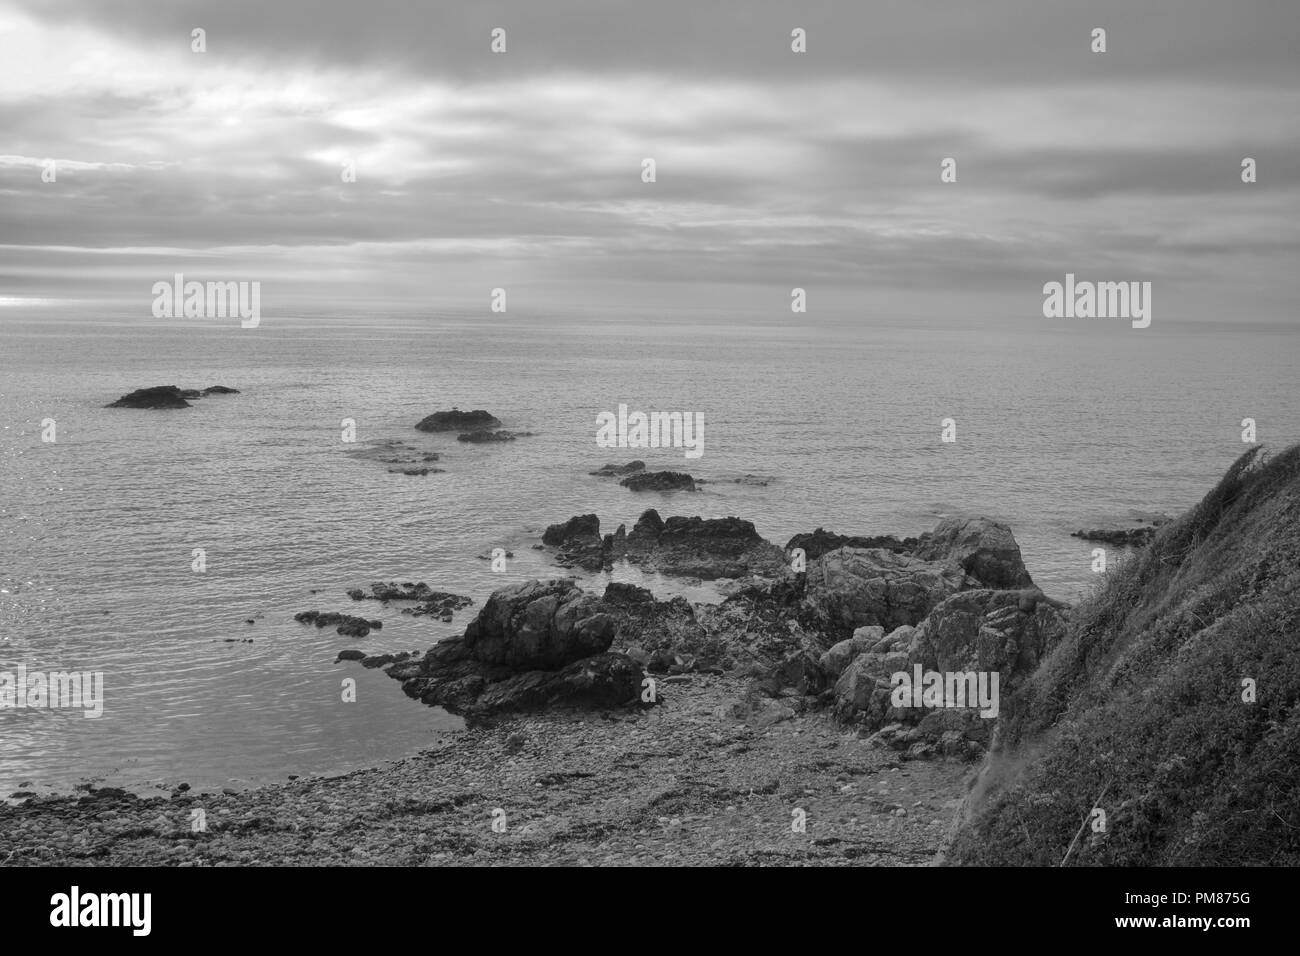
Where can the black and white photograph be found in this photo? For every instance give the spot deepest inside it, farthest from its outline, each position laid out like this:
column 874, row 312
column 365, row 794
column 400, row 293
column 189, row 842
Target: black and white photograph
column 691, row 434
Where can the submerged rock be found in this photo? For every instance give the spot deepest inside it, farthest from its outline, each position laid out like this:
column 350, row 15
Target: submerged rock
column 456, row 420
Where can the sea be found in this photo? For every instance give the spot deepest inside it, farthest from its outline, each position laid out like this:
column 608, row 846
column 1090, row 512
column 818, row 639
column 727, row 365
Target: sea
column 1058, row 426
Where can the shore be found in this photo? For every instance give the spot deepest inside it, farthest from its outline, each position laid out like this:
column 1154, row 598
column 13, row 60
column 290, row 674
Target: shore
column 677, row 784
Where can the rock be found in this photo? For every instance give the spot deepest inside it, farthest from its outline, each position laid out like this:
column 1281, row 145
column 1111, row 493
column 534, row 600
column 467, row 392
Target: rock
column 345, row 624
column 855, row 587
column 985, row 549
column 441, row 604
column 539, row 625
column 659, row 481
column 698, row 547
column 578, row 542
column 456, row 420
column 978, row 631
column 350, row 655
column 537, row 644
column 614, row 471
column 842, row 654
column 382, row 660
column 1126, row 538
column 819, row 542
column 157, row 397
column 220, row 390
column 418, row 472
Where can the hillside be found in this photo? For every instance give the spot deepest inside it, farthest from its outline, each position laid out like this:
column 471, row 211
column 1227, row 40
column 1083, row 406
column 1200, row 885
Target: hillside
column 1143, row 700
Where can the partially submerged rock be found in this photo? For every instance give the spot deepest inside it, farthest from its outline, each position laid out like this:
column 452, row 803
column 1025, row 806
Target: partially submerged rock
column 440, row 604
column 1123, row 538
column 659, row 481
column 345, row 624
column 486, row 436
column 168, row 396
column 578, row 542
column 456, row 420
column 157, row 396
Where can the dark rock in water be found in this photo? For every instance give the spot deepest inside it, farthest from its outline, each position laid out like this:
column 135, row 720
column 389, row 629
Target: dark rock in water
column 757, row 481
column 417, row 472
column 167, row 396
column 578, row 541
column 659, row 481
column 614, row 471
column 350, row 655
column 456, row 420
column 346, row 624
column 818, row 542
column 486, row 436
column 1124, row 538
column 538, row 644
column 705, row 548
column 383, row 660
column 158, row 396
column 440, row 604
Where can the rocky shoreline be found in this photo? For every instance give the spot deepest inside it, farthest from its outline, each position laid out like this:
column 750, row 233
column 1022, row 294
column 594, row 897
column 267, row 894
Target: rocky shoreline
column 617, row 728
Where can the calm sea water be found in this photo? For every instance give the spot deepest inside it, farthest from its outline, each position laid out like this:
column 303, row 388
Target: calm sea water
column 1059, row 426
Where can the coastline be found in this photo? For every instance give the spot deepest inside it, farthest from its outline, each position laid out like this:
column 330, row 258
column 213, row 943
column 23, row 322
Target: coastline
column 678, row 784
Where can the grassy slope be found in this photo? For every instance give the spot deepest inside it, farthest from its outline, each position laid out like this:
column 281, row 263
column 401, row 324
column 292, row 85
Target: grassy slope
column 1144, row 698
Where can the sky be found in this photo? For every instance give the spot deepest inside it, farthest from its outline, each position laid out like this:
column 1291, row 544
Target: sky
column 523, row 170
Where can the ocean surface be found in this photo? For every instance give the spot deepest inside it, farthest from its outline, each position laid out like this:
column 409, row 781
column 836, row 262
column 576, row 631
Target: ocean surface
column 1060, row 426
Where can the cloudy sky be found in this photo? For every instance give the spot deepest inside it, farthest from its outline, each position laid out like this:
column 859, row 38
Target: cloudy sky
column 774, row 169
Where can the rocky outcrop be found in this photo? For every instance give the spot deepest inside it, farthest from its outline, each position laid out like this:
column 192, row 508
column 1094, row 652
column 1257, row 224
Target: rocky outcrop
column 856, row 587
column 615, row 471
column 984, row 549
column 819, row 542
column 220, row 390
column 578, row 542
column 345, row 624
column 659, row 481
column 979, row 632
column 456, row 420
column 537, row 644
column 707, row 548
column 430, row 603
